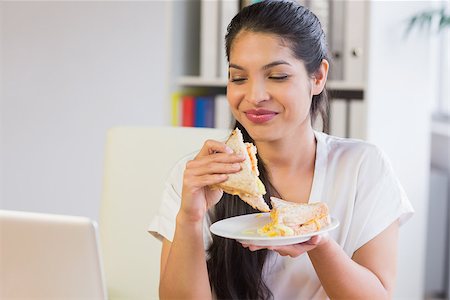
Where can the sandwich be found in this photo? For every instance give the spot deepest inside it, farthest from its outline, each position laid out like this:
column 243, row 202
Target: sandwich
column 289, row 218
column 245, row 183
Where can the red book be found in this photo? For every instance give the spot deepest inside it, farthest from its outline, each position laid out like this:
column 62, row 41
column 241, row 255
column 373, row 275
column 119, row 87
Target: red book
column 188, row 116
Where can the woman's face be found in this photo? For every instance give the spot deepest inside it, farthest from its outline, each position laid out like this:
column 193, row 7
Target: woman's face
column 269, row 90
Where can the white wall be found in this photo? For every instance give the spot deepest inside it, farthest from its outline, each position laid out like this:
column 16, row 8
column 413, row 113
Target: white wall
column 1, row 105
column 70, row 71
column 399, row 95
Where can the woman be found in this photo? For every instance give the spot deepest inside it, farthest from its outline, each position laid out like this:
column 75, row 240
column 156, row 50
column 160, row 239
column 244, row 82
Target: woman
column 278, row 68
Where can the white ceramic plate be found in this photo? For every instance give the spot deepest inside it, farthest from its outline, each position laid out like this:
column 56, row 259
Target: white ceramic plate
column 244, row 229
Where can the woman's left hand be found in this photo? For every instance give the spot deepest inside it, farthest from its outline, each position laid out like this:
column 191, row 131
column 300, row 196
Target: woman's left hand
column 293, row 250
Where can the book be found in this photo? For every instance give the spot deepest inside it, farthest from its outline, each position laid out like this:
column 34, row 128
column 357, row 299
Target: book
column 222, row 113
column 209, row 24
column 176, row 105
column 204, row 112
column 188, row 108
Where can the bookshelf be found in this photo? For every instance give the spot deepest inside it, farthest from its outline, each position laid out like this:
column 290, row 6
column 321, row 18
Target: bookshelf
column 198, row 70
column 198, row 81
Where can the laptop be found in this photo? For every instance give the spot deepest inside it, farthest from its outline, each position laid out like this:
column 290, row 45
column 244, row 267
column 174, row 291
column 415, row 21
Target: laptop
column 44, row 256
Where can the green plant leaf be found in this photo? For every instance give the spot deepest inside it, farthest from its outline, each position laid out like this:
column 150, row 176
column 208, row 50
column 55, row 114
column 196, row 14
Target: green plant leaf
column 426, row 19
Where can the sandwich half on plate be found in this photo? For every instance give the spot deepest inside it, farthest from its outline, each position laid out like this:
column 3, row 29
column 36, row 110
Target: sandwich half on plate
column 245, row 183
column 289, row 218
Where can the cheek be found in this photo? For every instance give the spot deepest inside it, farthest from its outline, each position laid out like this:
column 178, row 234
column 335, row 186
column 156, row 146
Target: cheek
column 296, row 100
column 233, row 97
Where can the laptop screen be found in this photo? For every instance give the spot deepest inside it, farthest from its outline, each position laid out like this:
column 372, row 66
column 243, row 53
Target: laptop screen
column 45, row 256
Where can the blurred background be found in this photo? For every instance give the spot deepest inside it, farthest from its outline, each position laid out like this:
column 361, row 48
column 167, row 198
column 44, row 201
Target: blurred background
column 70, row 70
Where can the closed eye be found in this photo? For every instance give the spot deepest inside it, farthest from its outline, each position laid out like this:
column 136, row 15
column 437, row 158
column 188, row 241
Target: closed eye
column 237, row 79
column 279, row 77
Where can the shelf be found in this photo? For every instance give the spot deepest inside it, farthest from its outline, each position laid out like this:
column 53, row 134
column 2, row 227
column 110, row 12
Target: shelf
column 196, row 81
column 344, row 85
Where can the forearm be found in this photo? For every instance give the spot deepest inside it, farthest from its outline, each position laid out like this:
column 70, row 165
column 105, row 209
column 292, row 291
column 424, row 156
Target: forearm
column 185, row 275
column 343, row 278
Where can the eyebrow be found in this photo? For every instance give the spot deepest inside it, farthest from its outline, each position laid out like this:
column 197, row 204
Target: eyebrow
column 265, row 67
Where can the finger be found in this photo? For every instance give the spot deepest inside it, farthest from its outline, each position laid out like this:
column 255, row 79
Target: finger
column 223, row 157
column 317, row 239
column 216, row 168
column 207, row 180
column 194, row 169
column 212, row 146
column 314, row 240
column 281, row 250
column 218, row 163
column 282, row 253
column 291, row 250
column 252, row 247
column 215, row 158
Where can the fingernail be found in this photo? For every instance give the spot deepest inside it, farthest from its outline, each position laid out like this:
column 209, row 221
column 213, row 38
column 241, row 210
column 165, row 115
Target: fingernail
column 228, row 150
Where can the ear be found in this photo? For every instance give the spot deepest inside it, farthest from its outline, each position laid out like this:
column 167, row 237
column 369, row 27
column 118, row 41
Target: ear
column 320, row 78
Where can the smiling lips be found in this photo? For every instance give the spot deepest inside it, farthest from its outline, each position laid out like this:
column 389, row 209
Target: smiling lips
column 260, row 115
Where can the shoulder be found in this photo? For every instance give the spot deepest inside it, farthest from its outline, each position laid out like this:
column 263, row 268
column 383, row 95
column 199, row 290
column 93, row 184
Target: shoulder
column 346, row 152
column 338, row 146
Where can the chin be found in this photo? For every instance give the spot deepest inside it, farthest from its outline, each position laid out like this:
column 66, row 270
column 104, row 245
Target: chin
column 261, row 133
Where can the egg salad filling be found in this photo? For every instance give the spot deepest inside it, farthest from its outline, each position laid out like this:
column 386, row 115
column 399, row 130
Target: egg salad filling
column 261, row 187
column 275, row 228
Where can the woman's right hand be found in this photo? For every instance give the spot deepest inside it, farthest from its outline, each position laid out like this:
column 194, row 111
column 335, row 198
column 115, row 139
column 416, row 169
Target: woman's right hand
column 211, row 166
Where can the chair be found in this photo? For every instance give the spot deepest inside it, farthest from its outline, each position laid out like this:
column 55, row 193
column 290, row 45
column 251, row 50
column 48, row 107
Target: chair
column 137, row 160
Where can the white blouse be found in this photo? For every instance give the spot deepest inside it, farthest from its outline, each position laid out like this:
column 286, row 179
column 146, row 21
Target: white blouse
column 357, row 182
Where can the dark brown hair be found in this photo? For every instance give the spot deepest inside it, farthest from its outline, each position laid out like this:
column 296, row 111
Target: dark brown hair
column 299, row 28
column 236, row 272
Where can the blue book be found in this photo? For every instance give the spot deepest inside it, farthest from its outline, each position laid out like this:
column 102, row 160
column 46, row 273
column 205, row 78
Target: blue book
column 204, row 112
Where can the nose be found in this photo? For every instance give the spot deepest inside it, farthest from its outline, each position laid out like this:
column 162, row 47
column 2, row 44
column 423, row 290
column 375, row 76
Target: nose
column 257, row 92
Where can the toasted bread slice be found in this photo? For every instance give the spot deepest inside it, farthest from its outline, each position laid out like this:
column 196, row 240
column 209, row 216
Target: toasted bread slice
column 288, row 218
column 245, row 183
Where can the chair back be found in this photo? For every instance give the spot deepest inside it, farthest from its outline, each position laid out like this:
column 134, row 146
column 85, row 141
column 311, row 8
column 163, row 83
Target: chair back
column 137, row 162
